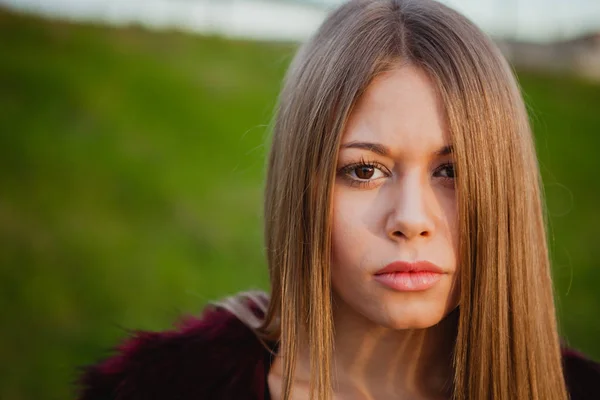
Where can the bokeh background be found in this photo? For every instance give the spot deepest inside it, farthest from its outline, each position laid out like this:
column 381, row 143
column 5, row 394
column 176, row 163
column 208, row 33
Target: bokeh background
column 132, row 152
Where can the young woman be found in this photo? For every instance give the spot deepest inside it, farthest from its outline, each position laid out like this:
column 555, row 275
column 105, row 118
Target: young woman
column 404, row 230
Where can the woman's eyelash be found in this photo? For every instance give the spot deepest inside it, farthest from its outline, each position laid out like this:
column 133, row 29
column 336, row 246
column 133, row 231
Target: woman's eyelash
column 444, row 166
column 349, row 168
column 346, row 172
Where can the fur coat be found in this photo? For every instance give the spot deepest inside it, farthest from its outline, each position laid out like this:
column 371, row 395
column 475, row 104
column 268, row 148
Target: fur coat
column 216, row 356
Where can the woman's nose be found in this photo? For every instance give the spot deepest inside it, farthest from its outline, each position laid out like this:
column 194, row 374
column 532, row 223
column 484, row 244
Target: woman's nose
column 409, row 215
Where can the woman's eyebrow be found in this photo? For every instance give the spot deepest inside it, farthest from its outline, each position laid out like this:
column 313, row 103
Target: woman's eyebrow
column 444, row 151
column 373, row 147
column 382, row 150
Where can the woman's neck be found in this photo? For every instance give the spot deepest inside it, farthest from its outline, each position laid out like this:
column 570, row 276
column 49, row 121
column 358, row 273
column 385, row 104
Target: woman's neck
column 378, row 362
column 375, row 362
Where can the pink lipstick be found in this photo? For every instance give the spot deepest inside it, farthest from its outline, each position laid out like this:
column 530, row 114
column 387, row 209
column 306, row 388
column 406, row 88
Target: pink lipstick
column 409, row 277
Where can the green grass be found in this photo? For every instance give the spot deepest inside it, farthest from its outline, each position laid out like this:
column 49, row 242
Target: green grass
column 131, row 170
column 566, row 120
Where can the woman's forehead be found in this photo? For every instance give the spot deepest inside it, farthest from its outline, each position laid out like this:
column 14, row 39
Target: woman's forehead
column 401, row 111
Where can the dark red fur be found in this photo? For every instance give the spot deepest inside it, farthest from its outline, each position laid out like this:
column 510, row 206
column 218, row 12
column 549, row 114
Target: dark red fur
column 213, row 357
column 218, row 357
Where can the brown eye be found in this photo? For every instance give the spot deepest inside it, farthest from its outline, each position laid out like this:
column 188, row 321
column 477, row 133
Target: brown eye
column 446, row 171
column 364, row 172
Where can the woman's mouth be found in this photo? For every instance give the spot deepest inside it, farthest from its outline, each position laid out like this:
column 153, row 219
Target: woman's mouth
column 409, row 276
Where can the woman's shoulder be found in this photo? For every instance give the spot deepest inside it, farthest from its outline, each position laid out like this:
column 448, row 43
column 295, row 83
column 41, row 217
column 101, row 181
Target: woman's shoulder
column 582, row 375
column 210, row 356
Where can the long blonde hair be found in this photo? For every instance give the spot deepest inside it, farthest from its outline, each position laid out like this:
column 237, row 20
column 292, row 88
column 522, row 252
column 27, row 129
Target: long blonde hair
column 507, row 344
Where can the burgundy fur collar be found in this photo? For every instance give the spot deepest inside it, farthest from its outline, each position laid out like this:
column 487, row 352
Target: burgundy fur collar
column 218, row 357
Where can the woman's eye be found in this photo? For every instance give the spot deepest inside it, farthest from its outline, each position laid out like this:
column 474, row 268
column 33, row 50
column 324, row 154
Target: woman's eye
column 445, row 171
column 365, row 172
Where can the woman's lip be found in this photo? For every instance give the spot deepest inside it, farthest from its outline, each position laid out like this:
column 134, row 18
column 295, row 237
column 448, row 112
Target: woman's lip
column 409, row 281
column 409, row 276
column 411, row 267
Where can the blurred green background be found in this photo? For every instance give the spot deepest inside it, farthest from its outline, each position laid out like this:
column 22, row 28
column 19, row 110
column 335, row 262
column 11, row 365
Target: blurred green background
column 131, row 170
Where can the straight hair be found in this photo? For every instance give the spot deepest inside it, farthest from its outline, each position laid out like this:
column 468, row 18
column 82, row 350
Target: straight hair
column 507, row 344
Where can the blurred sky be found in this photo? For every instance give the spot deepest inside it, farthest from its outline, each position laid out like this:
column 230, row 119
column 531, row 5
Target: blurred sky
column 538, row 20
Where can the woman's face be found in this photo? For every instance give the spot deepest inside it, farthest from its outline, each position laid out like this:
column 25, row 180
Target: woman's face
column 395, row 207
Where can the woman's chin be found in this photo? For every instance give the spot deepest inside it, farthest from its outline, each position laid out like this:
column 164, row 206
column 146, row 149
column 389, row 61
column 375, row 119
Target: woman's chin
column 413, row 322
column 422, row 316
